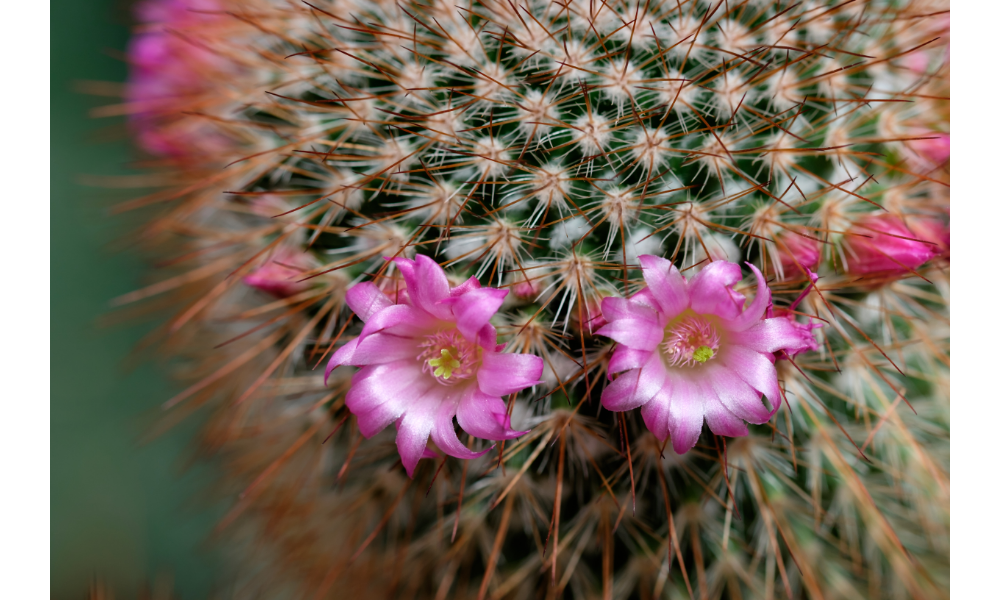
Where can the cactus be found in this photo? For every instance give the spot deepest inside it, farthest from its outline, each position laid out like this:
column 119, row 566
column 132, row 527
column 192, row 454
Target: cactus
column 542, row 148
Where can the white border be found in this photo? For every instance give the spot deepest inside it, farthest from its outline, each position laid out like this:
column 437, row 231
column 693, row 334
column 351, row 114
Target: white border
column 975, row 236
column 24, row 443
column 24, row 315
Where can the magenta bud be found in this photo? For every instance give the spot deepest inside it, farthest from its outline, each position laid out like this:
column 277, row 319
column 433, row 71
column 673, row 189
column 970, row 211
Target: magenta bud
column 884, row 244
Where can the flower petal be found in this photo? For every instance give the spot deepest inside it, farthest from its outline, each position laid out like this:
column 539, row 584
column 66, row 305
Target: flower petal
column 378, row 418
column 615, row 308
column 625, row 358
column 656, row 412
column 469, row 284
column 485, row 416
column 487, row 338
column 411, row 438
column 394, row 385
column 398, row 319
column 722, row 422
column 711, row 290
column 426, row 284
column 769, row 335
column 755, row 369
column 343, row 356
column 636, row 387
column 475, row 308
column 502, row 374
column 380, row 348
column 687, row 412
column 666, row 284
column 737, row 395
column 755, row 312
column 445, row 437
column 365, row 299
column 634, row 333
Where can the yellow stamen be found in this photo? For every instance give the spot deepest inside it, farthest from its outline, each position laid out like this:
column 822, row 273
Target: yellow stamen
column 703, row 353
column 445, row 365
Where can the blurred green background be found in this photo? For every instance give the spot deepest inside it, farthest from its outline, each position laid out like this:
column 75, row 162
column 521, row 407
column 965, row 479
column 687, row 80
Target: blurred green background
column 119, row 511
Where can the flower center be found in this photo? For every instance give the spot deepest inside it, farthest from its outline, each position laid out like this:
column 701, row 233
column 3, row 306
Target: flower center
column 449, row 357
column 690, row 341
column 445, row 365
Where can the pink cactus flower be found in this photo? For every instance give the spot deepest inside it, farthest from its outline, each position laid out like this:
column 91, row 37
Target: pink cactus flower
column 690, row 352
column 282, row 274
column 882, row 243
column 796, row 252
column 429, row 358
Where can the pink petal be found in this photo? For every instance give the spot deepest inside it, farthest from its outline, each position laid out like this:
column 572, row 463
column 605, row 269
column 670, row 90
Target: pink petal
column 711, row 292
column 615, row 308
column 666, row 284
column 755, row 369
column 379, row 348
column 469, row 284
column 475, row 308
column 444, row 436
column 365, row 299
column 411, row 438
column 487, row 338
column 502, row 374
column 424, row 409
column 656, row 412
column 644, row 297
column 399, row 319
column 737, row 395
column 634, row 333
column 722, row 422
column 342, row 356
column 397, row 382
column 753, row 313
column 769, row 335
column 378, row 418
column 687, row 412
column 636, row 387
column 485, row 416
column 426, row 284
column 625, row 358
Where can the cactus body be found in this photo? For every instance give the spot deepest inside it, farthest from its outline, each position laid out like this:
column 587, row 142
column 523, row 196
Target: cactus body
column 542, row 148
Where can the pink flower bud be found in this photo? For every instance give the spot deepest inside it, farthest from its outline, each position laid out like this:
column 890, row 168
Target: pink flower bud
column 796, row 252
column 884, row 244
column 282, row 274
column 527, row 290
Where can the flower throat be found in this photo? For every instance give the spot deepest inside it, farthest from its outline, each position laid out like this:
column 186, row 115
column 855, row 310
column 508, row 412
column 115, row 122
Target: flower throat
column 692, row 341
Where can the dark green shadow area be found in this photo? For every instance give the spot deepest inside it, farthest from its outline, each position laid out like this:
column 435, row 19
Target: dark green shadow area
column 119, row 511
